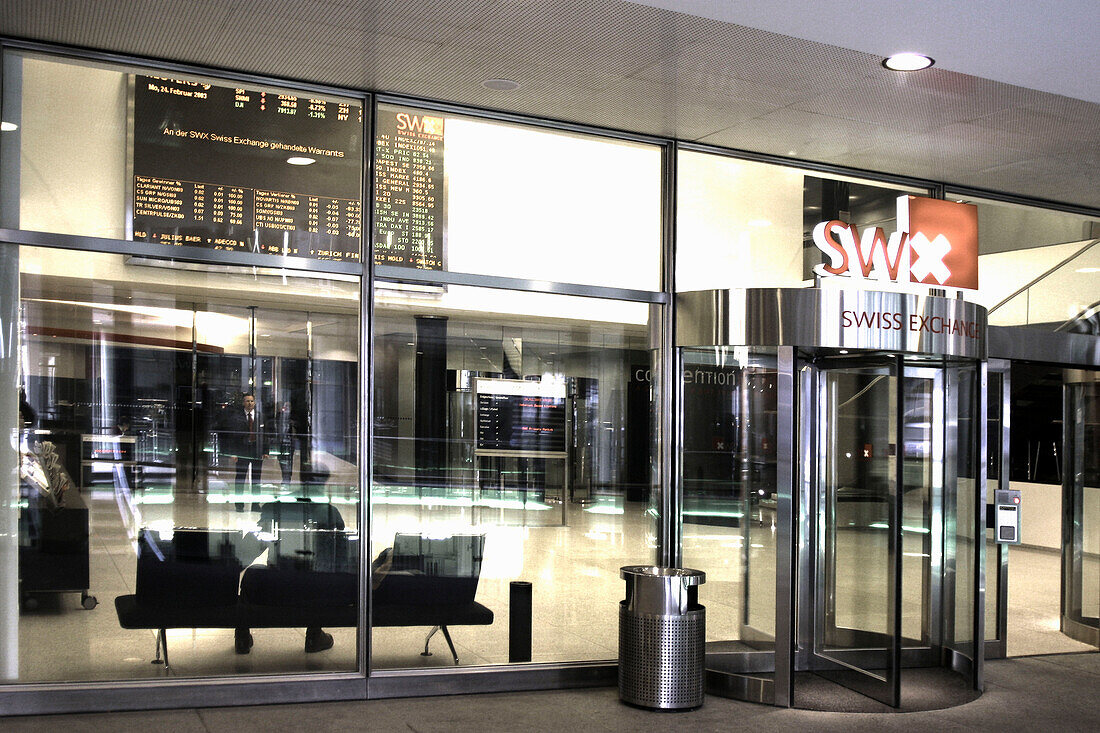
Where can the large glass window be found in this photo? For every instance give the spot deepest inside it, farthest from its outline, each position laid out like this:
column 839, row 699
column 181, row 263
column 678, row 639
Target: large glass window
column 512, row 445
column 741, row 223
column 465, row 195
column 122, row 153
column 729, row 473
column 188, row 455
column 1055, row 253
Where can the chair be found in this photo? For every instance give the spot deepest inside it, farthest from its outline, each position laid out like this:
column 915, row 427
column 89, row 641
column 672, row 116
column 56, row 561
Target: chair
column 432, row 582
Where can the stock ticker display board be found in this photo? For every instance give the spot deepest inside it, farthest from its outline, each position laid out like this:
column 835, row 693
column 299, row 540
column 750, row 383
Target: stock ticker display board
column 408, row 193
column 246, row 170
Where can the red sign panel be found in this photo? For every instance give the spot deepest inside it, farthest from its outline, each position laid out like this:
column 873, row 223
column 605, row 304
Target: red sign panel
column 936, row 243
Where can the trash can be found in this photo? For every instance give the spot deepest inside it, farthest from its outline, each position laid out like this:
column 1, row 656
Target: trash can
column 662, row 632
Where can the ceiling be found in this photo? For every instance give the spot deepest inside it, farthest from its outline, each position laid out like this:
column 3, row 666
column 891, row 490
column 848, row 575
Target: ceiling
column 1032, row 128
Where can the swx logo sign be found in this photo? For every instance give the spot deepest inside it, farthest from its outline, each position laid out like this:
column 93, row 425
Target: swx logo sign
column 936, row 244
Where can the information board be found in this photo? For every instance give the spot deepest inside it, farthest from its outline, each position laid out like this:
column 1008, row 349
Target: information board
column 214, row 167
column 408, row 194
column 520, row 416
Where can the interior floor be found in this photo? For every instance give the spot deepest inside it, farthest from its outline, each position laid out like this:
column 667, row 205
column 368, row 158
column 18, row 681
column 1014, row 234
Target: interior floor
column 1034, row 590
column 574, row 570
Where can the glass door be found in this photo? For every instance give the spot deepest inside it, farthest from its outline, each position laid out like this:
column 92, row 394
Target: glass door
column 858, row 566
column 1081, row 509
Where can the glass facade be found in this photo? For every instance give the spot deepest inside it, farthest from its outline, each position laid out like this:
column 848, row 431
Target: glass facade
column 728, row 472
column 186, row 447
column 1037, row 268
column 520, row 441
column 742, row 223
column 266, row 451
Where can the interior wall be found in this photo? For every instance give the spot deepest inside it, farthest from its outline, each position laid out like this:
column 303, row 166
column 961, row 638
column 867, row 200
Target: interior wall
column 524, row 202
column 738, row 223
column 1041, row 514
column 73, row 155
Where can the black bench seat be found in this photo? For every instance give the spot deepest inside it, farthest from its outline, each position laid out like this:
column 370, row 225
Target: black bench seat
column 194, row 580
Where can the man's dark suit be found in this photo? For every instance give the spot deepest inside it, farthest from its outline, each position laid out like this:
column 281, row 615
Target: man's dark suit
column 247, row 441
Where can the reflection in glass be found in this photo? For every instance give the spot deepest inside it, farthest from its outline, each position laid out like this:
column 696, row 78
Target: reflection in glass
column 518, row 201
column 962, row 541
column 512, row 443
column 189, row 442
column 1081, row 559
column 728, row 471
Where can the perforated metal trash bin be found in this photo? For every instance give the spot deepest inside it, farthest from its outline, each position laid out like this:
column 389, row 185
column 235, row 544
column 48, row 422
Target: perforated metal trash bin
column 662, row 632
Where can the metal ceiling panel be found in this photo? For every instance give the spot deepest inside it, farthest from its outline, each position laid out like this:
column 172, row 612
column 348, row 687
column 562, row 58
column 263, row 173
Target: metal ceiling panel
column 622, row 65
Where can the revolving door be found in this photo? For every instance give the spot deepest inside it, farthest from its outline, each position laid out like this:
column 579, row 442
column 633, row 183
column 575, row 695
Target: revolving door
column 834, row 494
column 888, row 519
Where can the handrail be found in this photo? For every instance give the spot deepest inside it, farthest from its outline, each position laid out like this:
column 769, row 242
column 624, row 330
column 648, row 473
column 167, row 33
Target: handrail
column 1087, row 312
column 1046, row 274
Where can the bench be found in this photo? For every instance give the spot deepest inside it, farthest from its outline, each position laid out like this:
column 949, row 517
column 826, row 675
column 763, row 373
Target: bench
column 194, row 579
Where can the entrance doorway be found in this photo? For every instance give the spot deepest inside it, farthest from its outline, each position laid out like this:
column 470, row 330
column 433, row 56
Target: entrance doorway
column 831, row 471
column 890, row 476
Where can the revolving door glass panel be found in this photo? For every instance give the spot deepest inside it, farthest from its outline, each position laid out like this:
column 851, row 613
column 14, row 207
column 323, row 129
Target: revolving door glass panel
column 728, row 471
column 1081, row 509
column 856, row 640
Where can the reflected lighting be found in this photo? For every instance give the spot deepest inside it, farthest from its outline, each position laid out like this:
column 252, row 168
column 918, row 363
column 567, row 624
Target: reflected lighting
column 734, row 515
column 215, row 328
column 458, row 501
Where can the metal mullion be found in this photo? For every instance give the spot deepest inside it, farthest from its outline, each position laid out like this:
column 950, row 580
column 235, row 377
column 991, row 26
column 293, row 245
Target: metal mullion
column 669, row 416
column 981, row 397
column 895, row 597
column 970, row 192
column 1003, row 482
column 173, row 253
column 515, row 118
column 787, row 488
column 365, row 635
column 934, row 540
column 808, row 165
column 160, row 66
column 445, row 277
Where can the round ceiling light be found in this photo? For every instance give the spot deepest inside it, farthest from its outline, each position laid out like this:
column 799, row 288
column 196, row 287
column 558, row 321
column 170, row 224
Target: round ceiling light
column 907, row 61
column 501, row 85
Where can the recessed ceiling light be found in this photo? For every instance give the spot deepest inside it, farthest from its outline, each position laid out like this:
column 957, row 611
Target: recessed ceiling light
column 8, row 126
column 501, row 85
column 907, row 61
column 300, row 160
column 1088, row 270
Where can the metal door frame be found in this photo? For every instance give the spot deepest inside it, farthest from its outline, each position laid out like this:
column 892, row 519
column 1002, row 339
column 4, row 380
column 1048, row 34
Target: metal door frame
column 996, row 646
column 887, row 688
column 1072, row 551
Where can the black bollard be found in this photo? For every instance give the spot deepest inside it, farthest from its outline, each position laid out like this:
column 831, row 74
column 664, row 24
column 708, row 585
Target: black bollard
column 519, row 621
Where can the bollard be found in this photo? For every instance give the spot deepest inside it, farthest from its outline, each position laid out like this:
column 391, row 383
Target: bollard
column 519, row 621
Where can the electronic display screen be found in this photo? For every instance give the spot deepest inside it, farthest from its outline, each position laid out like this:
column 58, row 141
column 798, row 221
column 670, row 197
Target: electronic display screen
column 519, row 418
column 246, row 170
column 409, row 218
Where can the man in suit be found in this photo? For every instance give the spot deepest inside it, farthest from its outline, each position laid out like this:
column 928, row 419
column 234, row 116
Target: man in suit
column 243, row 437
